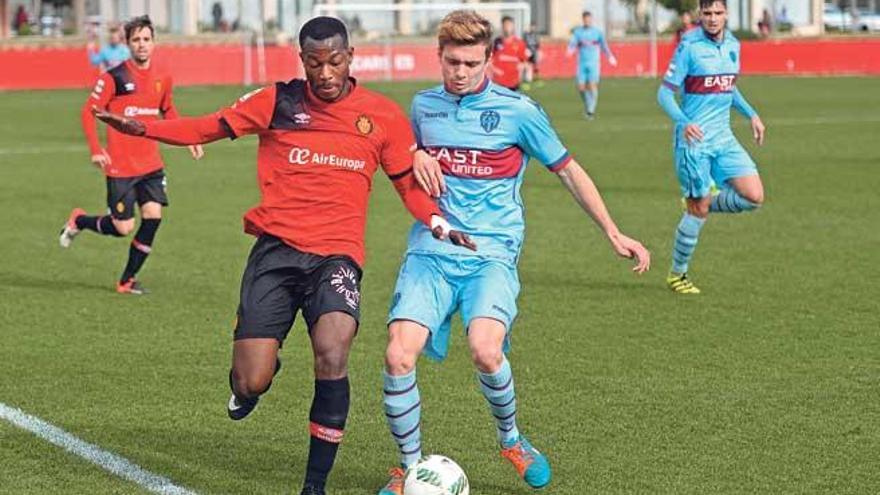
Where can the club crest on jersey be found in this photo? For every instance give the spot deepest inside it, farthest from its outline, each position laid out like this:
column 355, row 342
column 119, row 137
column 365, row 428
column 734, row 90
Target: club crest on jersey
column 732, row 56
column 489, row 120
column 364, row 125
column 158, row 86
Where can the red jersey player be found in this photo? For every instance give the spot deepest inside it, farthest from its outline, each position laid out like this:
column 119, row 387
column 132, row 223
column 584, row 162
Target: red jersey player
column 321, row 141
column 509, row 52
column 132, row 165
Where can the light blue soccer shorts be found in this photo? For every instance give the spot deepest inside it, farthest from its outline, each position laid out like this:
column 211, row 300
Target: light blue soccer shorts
column 699, row 165
column 588, row 73
column 431, row 288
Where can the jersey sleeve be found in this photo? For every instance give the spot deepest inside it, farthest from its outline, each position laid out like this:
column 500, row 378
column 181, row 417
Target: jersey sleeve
column 414, row 122
column 603, row 43
column 251, row 114
column 396, row 155
column 523, row 52
column 573, row 42
column 678, row 67
column 100, row 97
column 538, row 139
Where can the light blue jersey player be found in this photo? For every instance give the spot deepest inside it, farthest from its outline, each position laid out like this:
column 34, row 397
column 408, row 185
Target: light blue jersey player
column 589, row 44
column 476, row 139
column 705, row 69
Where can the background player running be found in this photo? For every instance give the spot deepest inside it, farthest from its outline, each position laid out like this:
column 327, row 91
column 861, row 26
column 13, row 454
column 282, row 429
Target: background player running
column 321, row 141
column 483, row 136
column 132, row 165
column 587, row 40
column 509, row 54
column 705, row 68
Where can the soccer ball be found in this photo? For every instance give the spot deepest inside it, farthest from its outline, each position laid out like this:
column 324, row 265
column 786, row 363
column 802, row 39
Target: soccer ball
column 435, row 475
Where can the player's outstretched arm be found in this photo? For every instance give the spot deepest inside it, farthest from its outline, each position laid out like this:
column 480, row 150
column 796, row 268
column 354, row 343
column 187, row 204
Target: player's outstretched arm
column 425, row 209
column 179, row 132
column 584, row 191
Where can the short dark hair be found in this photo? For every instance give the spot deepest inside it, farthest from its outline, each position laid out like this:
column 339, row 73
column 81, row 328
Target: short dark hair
column 704, row 4
column 138, row 23
column 506, row 19
column 321, row 28
column 586, row 13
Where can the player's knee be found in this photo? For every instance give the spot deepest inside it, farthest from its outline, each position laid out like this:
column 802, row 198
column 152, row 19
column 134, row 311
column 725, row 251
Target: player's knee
column 251, row 384
column 398, row 361
column 699, row 209
column 755, row 196
column 487, row 358
column 124, row 227
column 331, row 365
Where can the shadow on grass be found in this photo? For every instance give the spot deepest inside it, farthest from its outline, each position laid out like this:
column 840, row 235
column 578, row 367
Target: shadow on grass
column 34, row 281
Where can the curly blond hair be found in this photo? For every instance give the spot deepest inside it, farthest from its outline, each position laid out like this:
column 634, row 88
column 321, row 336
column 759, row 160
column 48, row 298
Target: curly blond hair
column 465, row 27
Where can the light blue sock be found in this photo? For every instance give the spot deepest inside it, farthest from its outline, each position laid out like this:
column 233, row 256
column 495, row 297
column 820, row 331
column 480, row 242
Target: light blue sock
column 729, row 201
column 686, row 237
column 593, row 101
column 587, row 97
column 498, row 390
column 404, row 413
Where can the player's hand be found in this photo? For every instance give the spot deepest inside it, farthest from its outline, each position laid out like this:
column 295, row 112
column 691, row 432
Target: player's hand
column 693, row 134
column 631, row 249
column 428, row 174
column 196, row 151
column 441, row 230
column 613, row 61
column 101, row 160
column 758, row 130
column 122, row 124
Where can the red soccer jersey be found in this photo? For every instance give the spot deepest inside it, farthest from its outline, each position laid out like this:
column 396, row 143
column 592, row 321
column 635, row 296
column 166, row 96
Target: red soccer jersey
column 139, row 93
column 507, row 55
column 316, row 161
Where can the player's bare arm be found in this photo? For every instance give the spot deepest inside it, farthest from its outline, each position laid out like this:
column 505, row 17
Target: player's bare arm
column 428, row 174
column 584, row 191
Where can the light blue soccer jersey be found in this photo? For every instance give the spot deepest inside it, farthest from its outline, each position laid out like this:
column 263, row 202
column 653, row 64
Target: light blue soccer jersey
column 483, row 142
column 705, row 71
column 110, row 56
column 588, row 41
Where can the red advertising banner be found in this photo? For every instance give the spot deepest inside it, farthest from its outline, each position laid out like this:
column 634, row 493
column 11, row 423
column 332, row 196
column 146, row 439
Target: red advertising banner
column 68, row 67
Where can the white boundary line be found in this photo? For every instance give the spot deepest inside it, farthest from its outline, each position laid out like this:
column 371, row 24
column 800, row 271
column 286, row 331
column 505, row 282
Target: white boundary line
column 111, row 462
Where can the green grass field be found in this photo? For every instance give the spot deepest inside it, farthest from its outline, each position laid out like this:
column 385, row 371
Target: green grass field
column 769, row 382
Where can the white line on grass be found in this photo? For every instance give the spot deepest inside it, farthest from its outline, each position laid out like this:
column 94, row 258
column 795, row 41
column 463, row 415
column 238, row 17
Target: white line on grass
column 111, row 462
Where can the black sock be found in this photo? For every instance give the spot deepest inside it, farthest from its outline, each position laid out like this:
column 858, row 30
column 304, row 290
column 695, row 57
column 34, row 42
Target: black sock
column 141, row 246
column 328, row 415
column 100, row 224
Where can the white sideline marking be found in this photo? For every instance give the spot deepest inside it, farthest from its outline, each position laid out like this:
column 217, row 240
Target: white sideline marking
column 111, row 462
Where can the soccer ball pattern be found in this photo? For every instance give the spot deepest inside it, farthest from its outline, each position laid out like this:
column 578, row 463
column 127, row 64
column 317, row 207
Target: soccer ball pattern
column 435, row 475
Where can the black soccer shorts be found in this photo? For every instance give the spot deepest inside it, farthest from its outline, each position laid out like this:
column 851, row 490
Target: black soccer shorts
column 123, row 193
column 280, row 280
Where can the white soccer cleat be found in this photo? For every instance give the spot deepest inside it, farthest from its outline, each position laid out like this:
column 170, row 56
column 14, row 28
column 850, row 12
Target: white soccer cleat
column 70, row 231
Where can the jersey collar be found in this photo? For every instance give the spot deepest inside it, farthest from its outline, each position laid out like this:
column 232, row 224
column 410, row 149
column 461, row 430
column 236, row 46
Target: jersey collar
column 482, row 90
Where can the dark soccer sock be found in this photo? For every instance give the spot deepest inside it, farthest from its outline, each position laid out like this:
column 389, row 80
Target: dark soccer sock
column 100, row 224
column 141, row 246
column 327, row 422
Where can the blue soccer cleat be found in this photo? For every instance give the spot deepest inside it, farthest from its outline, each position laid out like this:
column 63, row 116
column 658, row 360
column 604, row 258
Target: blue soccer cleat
column 531, row 465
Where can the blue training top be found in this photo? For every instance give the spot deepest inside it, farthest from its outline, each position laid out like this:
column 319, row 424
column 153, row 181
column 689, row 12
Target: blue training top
column 110, row 56
column 705, row 71
column 588, row 41
column 483, row 142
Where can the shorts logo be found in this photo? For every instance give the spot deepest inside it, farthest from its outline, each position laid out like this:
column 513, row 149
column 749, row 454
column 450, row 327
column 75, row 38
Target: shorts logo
column 489, row 120
column 364, row 125
column 344, row 282
column 120, row 207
